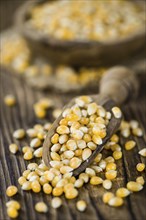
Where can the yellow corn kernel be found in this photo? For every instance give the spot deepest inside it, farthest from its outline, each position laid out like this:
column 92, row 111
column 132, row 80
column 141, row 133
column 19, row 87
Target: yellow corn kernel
column 78, row 152
column 116, row 201
column 107, row 184
column 87, row 138
column 12, row 212
column 75, row 162
column 98, row 158
column 142, row 152
column 49, row 175
column 140, row 180
column 10, row 100
column 35, row 186
column 13, row 148
column 111, row 174
column 84, row 121
column 56, row 202
column 72, row 117
column 81, row 205
column 117, row 155
column 96, row 180
column 25, row 173
column 111, row 166
column 13, row 203
column 19, row 134
column 41, row 207
column 26, row 148
column 78, row 183
column 28, row 155
column 26, row 185
column 122, row 192
column 62, row 183
column 97, row 139
column 66, row 169
column 115, row 138
column 21, row 180
column 86, row 153
column 107, row 196
column 134, row 186
column 84, row 177
column 130, row 145
column 68, row 187
column 57, row 191
column 140, row 167
column 63, row 121
column 55, row 156
column 39, row 112
column 72, row 180
column 90, row 172
column 55, row 138
column 71, row 194
column 32, row 166
column 62, row 129
column 117, row 112
column 11, row 190
column 36, row 142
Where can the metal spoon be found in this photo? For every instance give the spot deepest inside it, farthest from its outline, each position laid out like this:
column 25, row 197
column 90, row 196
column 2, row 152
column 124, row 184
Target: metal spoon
column 117, row 85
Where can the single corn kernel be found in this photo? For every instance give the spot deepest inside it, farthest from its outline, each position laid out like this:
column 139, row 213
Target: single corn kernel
column 78, row 183
column 84, row 177
column 26, row 173
column 63, row 138
column 41, row 207
column 117, row 155
column 39, row 152
column 21, row 180
column 11, row 190
column 13, row 148
column 140, row 167
column 26, row 148
column 75, row 162
column 78, row 152
column 90, row 172
column 55, row 164
column 97, row 139
column 71, row 194
column 62, row 129
column 19, row 134
column 81, row 144
column 98, row 158
column 81, row 205
column 140, row 180
column 111, row 166
column 55, row 138
column 10, row 100
column 122, row 192
column 96, row 180
column 143, row 152
column 65, row 169
column 56, row 202
column 77, row 134
column 71, row 145
column 134, row 186
column 49, row 175
column 68, row 186
column 32, row 133
column 107, row 196
column 62, row 183
column 117, row 112
column 57, row 191
column 115, row 138
column 35, row 186
column 86, row 153
column 111, row 174
column 107, row 184
column 42, row 180
column 56, row 112
column 55, row 147
column 36, row 142
column 39, row 112
column 55, row 156
column 32, row 166
column 92, row 108
column 116, row 201
column 26, row 185
column 137, row 132
column 109, row 159
column 28, row 155
column 68, row 154
column 13, row 203
column 12, row 212
column 130, row 145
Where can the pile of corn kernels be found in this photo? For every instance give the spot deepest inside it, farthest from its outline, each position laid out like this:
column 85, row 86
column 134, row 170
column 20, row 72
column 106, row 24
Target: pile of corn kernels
column 87, row 20
column 16, row 55
column 86, row 124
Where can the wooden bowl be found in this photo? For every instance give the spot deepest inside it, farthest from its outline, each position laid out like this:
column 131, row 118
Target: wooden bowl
column 77, row 53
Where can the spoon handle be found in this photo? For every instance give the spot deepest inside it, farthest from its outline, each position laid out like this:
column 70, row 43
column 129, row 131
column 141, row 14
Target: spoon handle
column 120, row 84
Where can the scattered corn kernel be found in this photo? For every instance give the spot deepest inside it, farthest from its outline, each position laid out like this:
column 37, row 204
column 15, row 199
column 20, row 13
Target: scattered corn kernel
column 96, row 180
column 19, row 134
column 116, row 201
column 41, row 207
column 130, row 145
column 117, row 112
column 13, row 203
column 107, row 196
column 13, row 148
column 122, row 192
column 12, row 212
column 10, row 100
column 143, row 152
column 140, row 180
column 11, row 190
column 107, row 184
column 111, row 174
column 117, row 155
column 134, row 186
column 81, row 205
column 56, row 202
column 140, row 167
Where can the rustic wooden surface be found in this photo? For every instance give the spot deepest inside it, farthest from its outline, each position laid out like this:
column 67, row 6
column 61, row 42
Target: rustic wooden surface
column 12, row 166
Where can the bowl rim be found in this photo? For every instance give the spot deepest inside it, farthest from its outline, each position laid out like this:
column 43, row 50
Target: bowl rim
column 24, row 10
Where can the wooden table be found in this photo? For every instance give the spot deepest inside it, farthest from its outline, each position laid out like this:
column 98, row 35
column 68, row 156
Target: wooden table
column 11, row 166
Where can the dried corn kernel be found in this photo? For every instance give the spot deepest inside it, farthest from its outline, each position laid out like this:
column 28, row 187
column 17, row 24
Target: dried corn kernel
column 35, row 186
column 62, row 129
column 111, row 174
column 140, row 180
column 143, row 152
column 111, row 166
column 56, row 202
column 21, row 180
column 35, row 143
column 57, row 191
column 19, row 134
column 41, row 207
column 117, row 155
column 96, row 180
column 107, row 184
column 13, row 203
column 130, row 145
column 10, row 100
column 11, row 190
column 140, row 167
column 122, row 192
column 86, row 153
column 81, row 205
column 134, row 186
column 107, row 196
column 117, row 112
column 13, row 148
column 71, row 194
column 12, row 212
column 115, row 201
column 75, row 162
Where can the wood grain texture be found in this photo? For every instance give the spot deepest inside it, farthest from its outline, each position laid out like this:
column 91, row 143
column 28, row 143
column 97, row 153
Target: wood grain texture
column 12, row 166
